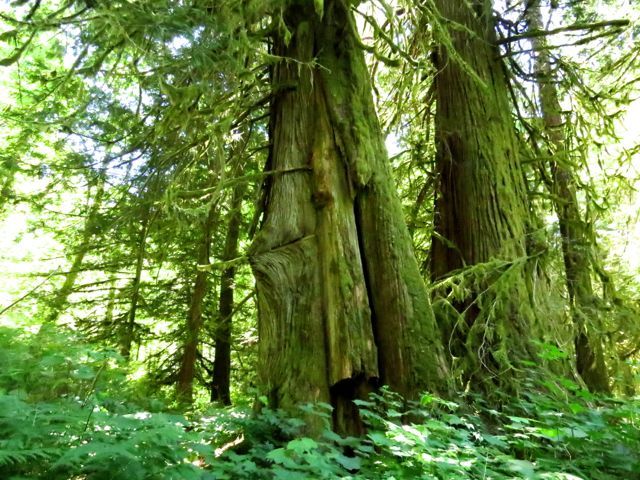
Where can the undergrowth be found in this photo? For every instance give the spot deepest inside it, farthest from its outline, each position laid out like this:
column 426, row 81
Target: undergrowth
column 69, row 411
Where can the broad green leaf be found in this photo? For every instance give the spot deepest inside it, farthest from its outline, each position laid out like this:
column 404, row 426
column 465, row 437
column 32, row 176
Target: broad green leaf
column 302, row 445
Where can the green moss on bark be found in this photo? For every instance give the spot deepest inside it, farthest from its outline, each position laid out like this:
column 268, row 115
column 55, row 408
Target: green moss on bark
column 482, row 211
column 342, row 307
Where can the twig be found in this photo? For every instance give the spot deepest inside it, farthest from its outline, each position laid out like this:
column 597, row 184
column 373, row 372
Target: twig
column 569, row 28
column 86, row 399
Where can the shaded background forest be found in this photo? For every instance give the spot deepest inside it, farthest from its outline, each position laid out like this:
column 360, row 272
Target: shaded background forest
column 136, row 165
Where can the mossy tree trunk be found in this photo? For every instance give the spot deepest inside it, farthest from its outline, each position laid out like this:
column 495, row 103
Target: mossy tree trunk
column 128, row 329
column 222, row 362
column 342, row 306
column 88, row 234
column 188, row 360
column 481, row 210
column 575, row 233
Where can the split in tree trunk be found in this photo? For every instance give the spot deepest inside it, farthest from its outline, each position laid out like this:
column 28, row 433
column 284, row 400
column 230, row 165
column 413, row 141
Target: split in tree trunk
column 342, row 306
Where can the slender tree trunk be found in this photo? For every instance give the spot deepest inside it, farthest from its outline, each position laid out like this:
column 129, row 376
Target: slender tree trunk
column 575, row 243
column 222, row 362
column 629, row 382
column 187, row 372
column 128, row 331
column 481, row 211
column 88, row 234
column 111, row 302
column 342, row 306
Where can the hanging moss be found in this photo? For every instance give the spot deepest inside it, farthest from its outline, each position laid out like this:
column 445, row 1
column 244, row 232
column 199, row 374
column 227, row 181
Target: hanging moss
column 482, row 209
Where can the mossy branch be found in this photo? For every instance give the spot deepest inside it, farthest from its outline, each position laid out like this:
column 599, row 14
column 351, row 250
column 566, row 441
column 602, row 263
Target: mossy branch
column 620, row 23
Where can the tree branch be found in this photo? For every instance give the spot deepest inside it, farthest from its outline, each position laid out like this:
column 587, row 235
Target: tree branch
column 569, row 28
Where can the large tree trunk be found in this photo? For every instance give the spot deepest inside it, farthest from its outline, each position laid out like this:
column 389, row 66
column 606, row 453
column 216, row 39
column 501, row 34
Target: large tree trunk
column 481, row 211
column 575, row 243
column 342, row 306
column 222, row 361
column 187, row 371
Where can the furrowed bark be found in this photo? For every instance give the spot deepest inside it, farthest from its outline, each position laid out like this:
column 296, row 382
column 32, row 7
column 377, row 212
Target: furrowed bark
column 481, row 211
column 342, row 306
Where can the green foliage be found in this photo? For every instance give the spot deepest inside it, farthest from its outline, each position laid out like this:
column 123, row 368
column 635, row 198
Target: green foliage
column 59, row 418
column 68, row 413
column 535, row 437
